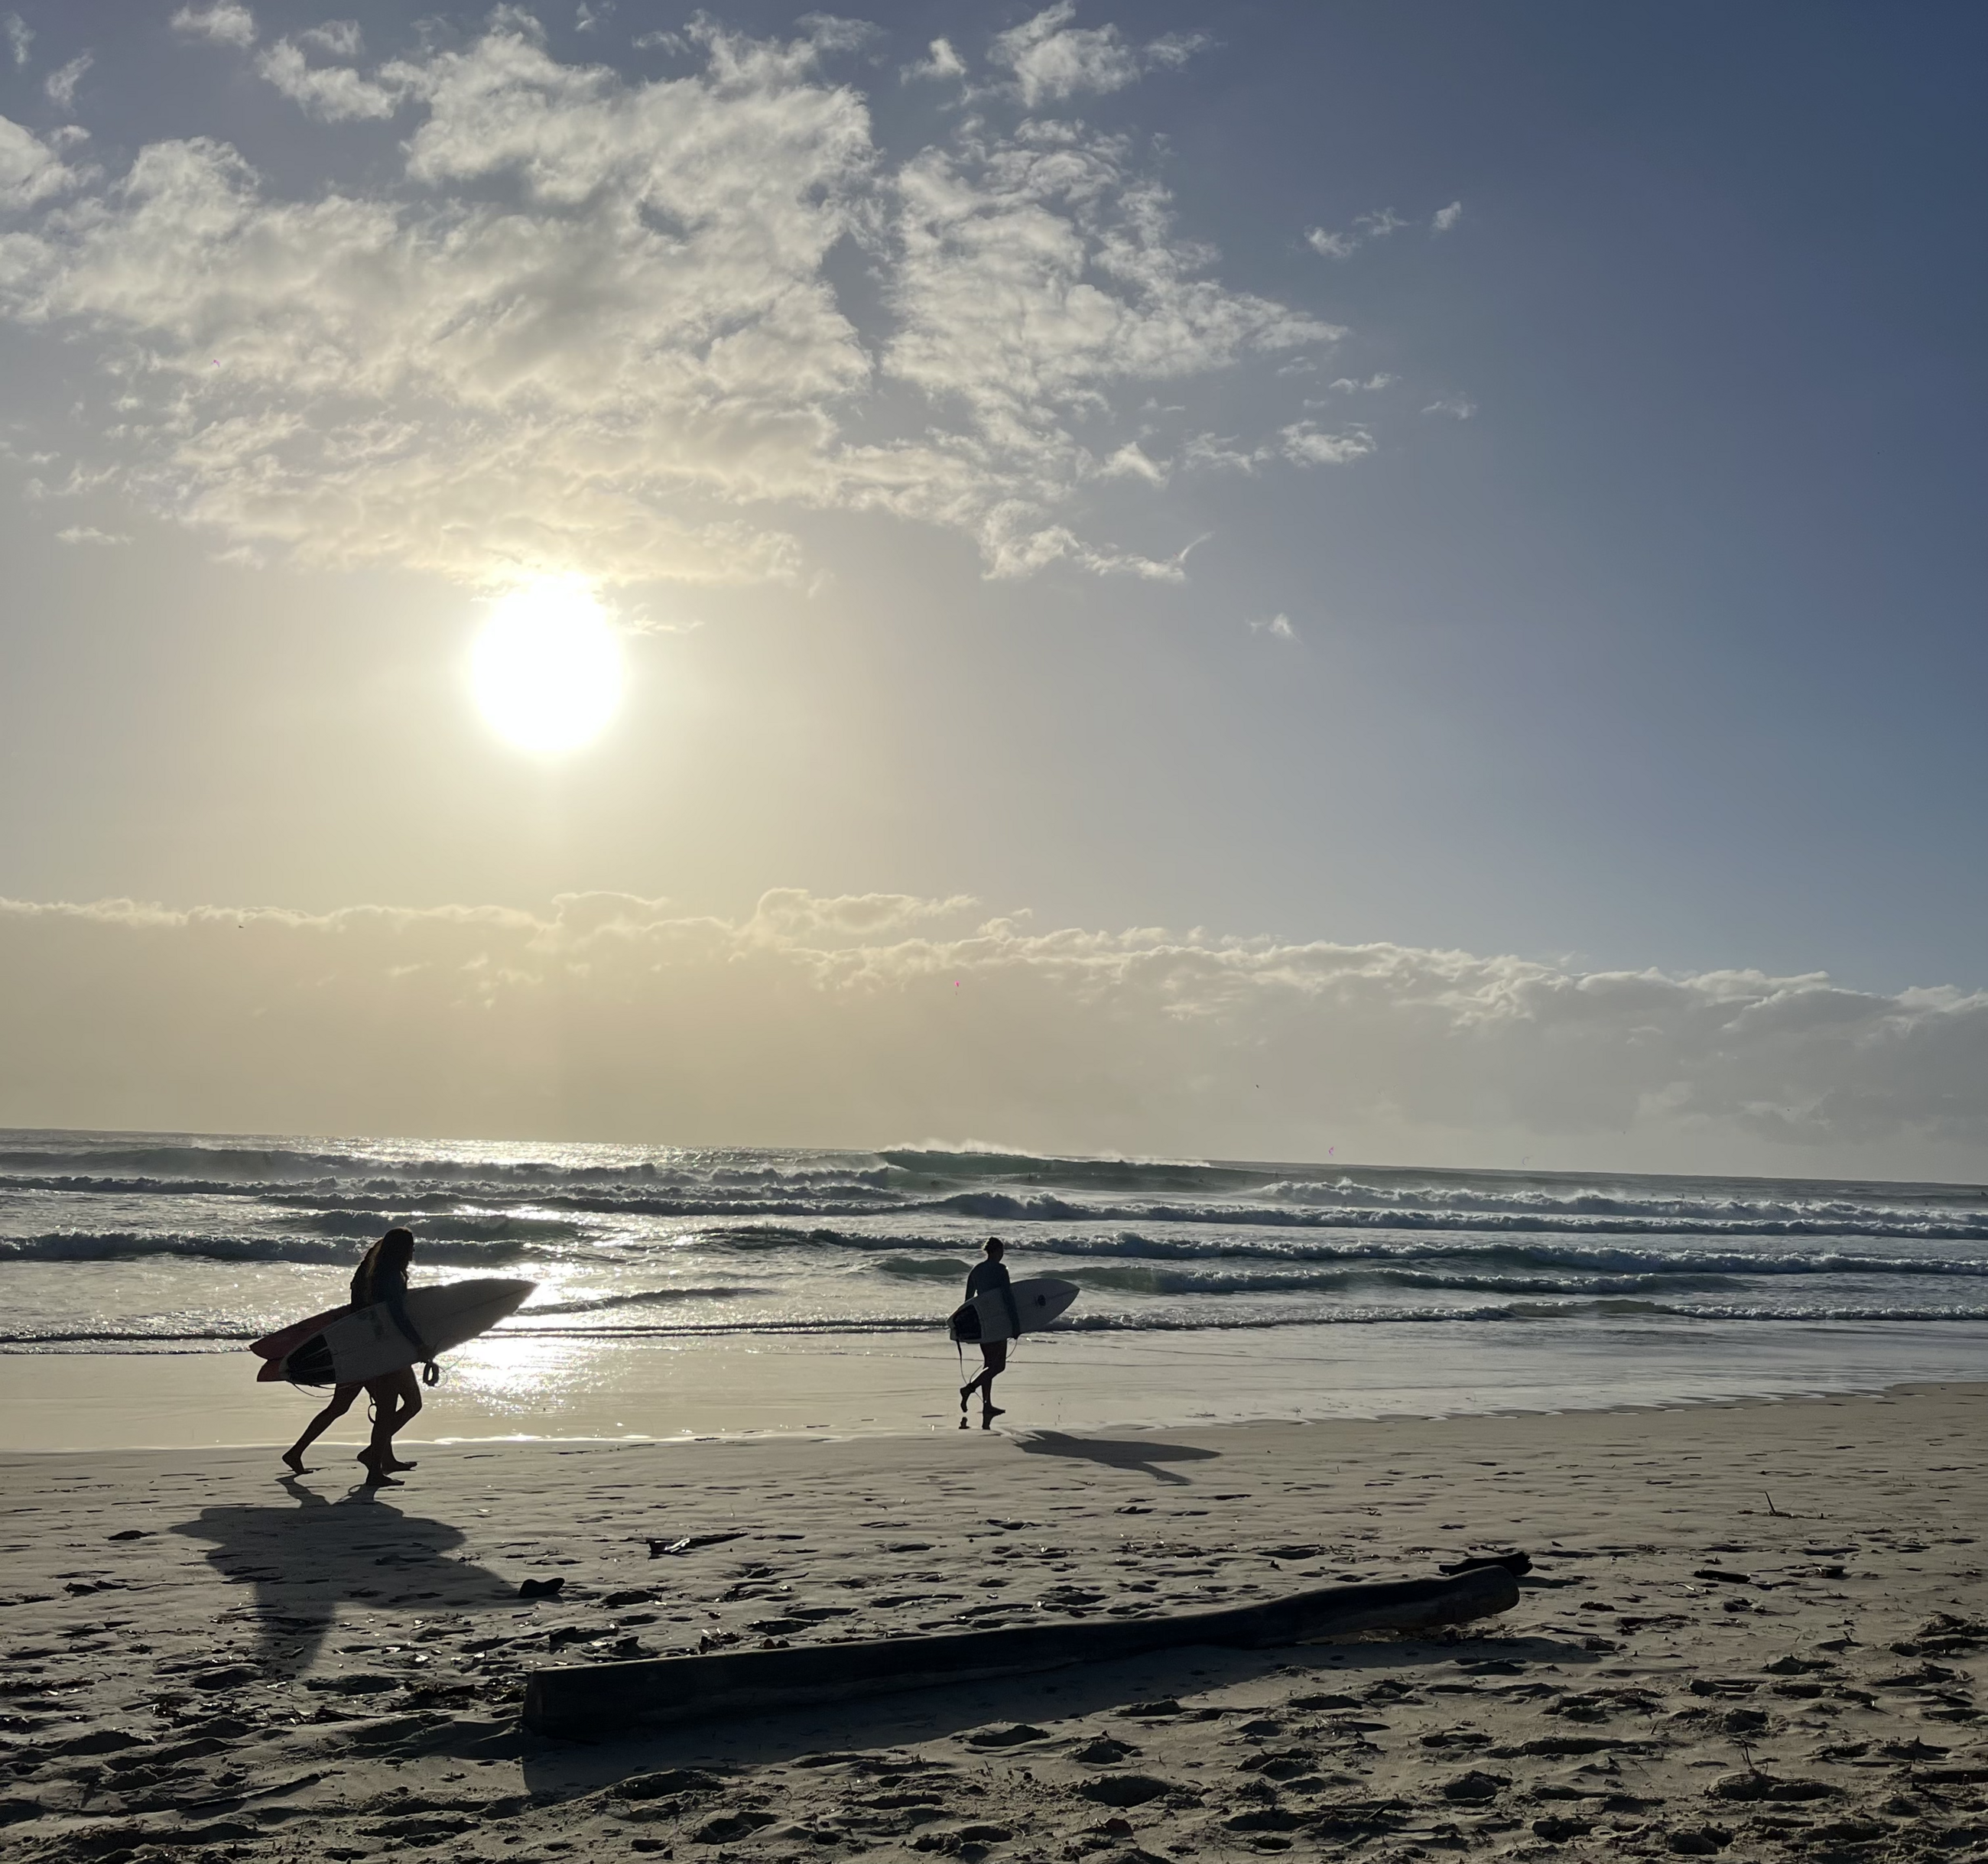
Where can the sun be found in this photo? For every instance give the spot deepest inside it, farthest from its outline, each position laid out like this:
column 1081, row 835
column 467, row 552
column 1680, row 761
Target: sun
column 546, row 669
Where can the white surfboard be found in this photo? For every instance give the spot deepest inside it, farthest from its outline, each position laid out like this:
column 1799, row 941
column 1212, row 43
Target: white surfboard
column 1038, row 1300
column 366, row 1343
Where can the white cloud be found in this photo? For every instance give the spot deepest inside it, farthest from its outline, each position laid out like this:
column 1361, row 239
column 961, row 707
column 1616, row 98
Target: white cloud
column 335, row 38
column 585, row 18
column 89, row 533
column 827, row 1021
column 227, row 22
column 1350, row 385
column 1305, row 444
column 940, row 61
column 1174, row 49
column 30, row 172
column 1278, row 624
column 1219, row 453
column 1131, row 461
column 1446, row 217
column 61, row 85
column 1375, row 225
column 788, row 914
column 1458, row 408
column 335, row 93
column 592, row 328
column 1052, row 60
column 1038, row 274
column 20, row 35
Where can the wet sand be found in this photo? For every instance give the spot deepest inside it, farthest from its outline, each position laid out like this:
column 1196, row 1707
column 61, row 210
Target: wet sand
column 519, row 1383
column 1752, row 1629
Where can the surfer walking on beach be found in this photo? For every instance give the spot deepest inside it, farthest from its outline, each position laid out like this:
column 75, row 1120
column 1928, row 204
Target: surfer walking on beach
column 983, row 1277
column 381, row 1276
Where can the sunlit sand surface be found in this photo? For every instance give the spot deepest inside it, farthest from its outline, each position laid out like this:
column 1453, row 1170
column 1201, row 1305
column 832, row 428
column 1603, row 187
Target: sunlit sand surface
column 1756, row 1627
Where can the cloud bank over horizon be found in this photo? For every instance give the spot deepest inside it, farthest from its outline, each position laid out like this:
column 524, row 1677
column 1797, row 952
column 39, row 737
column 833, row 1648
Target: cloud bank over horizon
column 637, row 327
column 874, row 1020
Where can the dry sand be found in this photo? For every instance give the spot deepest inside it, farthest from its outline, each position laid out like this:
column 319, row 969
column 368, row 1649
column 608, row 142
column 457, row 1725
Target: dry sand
column 204, row 1662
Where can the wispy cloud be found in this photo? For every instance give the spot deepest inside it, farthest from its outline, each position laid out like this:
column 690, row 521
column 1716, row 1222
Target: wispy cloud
column 90, row 534
column 227, row 22
column 591, row 327
column 30, row 171
column 816, row 1020
column 1378, row 224
column 61, row 85
column 1131, row 460
column 1303, row 443
column 1372, row 384
column 1052, row 60
column 1279, row 625
column 940, row 62
column 334, row 93
column 339, row 38
column 1458, row 408
column 20, row 37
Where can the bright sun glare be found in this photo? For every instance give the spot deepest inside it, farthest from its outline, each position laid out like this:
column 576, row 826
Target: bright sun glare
column 547, row 667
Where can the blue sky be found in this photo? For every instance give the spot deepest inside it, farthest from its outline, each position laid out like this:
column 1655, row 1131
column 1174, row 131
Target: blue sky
column 1606, row 590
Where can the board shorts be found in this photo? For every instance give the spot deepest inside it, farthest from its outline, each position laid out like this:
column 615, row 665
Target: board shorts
column 994, row 1354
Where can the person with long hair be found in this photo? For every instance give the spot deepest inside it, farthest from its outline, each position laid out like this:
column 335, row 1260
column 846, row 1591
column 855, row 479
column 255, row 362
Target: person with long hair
column 381, row 1276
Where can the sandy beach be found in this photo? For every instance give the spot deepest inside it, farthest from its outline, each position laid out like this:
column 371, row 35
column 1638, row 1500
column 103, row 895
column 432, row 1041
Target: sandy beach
column 1751, row 1629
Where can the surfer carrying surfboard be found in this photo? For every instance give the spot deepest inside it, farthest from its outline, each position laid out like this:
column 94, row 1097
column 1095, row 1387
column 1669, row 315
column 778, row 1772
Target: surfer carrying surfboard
column 381, row 1277
column 982, row 1278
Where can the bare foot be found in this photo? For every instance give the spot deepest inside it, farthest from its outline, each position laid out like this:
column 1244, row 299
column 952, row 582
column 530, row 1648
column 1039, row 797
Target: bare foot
column 376, row 1475
column 988, row 1417
column 295, row 1463
column 394, row 1462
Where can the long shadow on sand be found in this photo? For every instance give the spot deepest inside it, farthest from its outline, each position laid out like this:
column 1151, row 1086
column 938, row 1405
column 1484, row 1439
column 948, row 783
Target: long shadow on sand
column 562, row 1768
column 1115, row 1452
column 305, row 1560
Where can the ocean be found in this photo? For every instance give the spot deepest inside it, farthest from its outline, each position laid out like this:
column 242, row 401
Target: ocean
column 1229, row 1288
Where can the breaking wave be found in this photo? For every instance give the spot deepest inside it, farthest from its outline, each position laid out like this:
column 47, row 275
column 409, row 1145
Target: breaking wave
column 143, row 1243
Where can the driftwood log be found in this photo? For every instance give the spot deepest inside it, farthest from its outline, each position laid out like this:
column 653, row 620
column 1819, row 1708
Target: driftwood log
column 596, row 1698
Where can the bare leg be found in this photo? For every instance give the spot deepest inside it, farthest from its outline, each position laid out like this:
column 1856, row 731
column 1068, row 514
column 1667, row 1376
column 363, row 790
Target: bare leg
column 995, row 1353
column 397, row 1397
column 336, row 1407
column 988, row 1409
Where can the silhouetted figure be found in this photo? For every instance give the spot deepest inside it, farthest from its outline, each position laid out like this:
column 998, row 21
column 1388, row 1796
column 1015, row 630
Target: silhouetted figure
column 381, row 1276
column 992, row 1274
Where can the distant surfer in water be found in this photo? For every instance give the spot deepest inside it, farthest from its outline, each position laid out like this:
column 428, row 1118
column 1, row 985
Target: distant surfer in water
column 381, row 1276
column 992, row 1274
